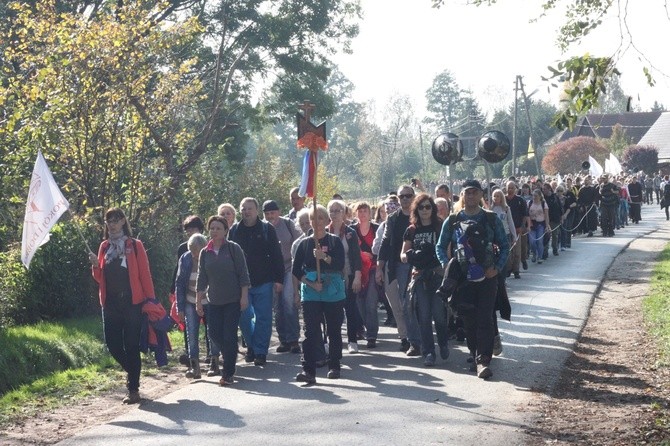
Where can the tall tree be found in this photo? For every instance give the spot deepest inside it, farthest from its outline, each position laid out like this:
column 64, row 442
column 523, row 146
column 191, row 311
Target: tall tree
column 444, row 102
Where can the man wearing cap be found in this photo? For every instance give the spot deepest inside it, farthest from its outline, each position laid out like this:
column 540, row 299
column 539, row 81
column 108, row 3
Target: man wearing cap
column 285, row 308
column 479, row 322
column 609, row 203
column 398, row 273
column 259, row 242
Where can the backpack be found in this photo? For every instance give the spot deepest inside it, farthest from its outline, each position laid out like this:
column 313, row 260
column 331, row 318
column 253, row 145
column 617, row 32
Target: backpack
column 233, row 231
column 474, row 251
column 666, row 191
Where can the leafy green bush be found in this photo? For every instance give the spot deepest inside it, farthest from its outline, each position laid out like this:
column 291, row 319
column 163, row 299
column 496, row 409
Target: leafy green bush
column 57, row 285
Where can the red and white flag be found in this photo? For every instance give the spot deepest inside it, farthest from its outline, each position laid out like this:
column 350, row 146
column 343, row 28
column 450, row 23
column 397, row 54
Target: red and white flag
column 45, row 205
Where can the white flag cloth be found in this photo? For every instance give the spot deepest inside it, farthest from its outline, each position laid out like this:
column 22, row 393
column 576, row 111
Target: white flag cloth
column 596, row 169
column 559, row 179
column 608, row 166
column 44, row 207
column 615, row 165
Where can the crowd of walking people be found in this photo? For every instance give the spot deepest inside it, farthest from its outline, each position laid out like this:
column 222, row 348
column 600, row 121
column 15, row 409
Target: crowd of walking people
column 436, row 262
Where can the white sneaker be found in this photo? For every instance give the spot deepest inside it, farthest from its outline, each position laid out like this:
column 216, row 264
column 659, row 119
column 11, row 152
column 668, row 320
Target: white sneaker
column 353, row 347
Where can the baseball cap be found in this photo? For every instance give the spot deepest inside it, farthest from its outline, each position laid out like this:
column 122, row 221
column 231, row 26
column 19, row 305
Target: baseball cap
column 270, row 205
column 471, row 184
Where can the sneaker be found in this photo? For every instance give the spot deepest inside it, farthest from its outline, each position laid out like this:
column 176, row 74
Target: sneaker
column 562, row 248
column 524, row 264
column 483, row 371
column 404, row 345
column 517, row 275
column 184, row 360
column 333, row 374
column 295, row 347
column 539, row 262
column 249, row 356
column 497, row 345
column 555, row 251
column 353, row 347
column 590, row 234
column 133, row 397
column 305, row 377
column 283, row 348
column 413, row 350
column 444, row 352
column 372, row 343
column 532, row 259
column 226, row 381
column 429, row 360
column 260, row 360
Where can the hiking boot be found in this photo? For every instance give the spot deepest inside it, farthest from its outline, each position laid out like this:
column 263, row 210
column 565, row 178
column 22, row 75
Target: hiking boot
column 444, row 352
column 283, row 348
column 497, row 345
column 372, row 343
column 333, row 374
column 353, row 347
column 483, row 371
column 194, row 371
column 214, row 367
column 404, row 345
column 226, row 381
column 305, row 377
column 249, row 356
column 260, row 360
column 413, row 350
column 429, row 360
column 133, row 397
column 295, row 347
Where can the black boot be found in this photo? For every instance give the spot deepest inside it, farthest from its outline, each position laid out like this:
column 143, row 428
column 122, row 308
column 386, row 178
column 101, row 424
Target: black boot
column 214, row 367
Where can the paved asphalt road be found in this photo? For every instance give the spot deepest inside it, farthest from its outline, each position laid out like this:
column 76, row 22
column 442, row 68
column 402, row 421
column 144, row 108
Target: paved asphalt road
column 385, row 397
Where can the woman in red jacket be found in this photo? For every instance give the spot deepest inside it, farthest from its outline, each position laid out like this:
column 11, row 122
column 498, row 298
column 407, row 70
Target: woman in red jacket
column 121, row 269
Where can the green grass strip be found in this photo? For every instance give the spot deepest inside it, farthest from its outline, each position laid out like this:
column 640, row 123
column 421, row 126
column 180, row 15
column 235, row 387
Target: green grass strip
column 656, row 306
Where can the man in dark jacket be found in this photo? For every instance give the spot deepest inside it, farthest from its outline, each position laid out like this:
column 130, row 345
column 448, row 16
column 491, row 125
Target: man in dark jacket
column 398, row 273
column 555, row 214
column 586, row 201
column 609, row 203
column 260, row 244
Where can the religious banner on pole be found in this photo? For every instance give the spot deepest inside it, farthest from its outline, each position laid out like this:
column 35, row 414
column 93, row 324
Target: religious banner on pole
column 44, row 207
column 312, row 138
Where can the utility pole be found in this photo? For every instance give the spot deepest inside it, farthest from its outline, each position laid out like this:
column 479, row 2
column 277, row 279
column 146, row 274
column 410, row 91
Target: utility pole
column 516, row 107
column 530, row 125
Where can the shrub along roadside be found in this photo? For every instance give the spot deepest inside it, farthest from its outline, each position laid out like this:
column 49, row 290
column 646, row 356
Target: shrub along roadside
column 46, row 365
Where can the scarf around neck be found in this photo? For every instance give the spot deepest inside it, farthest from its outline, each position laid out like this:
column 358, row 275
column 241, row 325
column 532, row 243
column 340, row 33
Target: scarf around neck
column 117, row 245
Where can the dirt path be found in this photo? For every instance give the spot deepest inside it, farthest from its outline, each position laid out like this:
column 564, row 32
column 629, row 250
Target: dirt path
column 610, row 392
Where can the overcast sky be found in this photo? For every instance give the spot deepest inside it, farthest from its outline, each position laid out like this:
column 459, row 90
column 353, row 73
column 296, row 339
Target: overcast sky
column 404, row 44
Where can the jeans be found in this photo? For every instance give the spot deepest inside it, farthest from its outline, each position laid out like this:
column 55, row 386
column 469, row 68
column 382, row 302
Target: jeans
column 535, row 239
column 428, row 308
column 192, row 330
column 555, row 234
column 312, row 346
column 402, row 273
column 622, row 218
column 256, row 320
column 122, row 326
column 286, row 313
column 367, row 307
column 223, row 321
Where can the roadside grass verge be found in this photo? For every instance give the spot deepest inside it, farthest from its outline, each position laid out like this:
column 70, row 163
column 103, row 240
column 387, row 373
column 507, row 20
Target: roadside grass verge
column 48, row 365
column 656, row 310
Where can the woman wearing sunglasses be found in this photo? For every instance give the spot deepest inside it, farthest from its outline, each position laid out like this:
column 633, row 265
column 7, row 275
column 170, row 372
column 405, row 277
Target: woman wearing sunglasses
column 419, row 251
column 121, row 269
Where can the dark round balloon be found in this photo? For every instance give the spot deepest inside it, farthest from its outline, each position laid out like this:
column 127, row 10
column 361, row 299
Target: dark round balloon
column 493, row 146
column 447, row 149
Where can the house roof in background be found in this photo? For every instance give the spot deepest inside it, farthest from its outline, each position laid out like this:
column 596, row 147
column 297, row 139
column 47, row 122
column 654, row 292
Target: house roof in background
column 599, row 125
column 659, row 136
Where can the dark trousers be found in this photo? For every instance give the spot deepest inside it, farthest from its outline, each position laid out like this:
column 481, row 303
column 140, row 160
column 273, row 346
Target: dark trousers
column 608, row 219
column 122, row 326
column 312, row 346
column 354, row 320
column 635, row 213
column 478, row 321
column 223, row 323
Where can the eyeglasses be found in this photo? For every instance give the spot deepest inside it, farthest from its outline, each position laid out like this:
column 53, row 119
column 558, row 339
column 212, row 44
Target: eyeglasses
column 406, row 196
column 112, row 221
column 425, row 207
column 335, row 211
